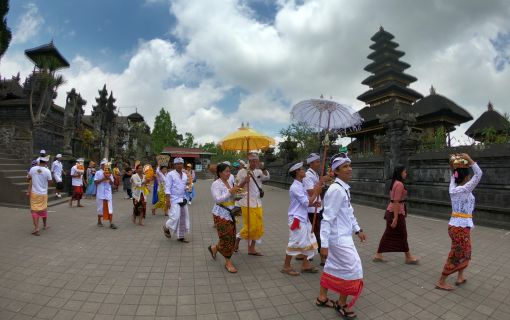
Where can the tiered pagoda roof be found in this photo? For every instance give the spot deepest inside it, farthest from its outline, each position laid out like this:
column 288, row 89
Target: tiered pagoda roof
column 388, row 80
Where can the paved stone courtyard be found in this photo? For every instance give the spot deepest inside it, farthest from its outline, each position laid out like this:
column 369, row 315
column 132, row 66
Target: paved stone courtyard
column 76, row 270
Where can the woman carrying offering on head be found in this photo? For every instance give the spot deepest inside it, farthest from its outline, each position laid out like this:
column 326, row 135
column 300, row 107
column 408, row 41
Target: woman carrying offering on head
column 461, row 189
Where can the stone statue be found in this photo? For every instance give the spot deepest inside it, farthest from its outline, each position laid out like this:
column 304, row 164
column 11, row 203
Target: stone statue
column 73, row 114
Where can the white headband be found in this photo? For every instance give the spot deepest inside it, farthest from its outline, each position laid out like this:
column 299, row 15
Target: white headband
column 312, row 157
column 253, row 156
column 296, row 167
column 104, row 161
column 178, row 160
column 339, row 161
column 59, row 155
column 227, row 163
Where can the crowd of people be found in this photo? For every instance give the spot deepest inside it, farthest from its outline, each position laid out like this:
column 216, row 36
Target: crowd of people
column 321, row 217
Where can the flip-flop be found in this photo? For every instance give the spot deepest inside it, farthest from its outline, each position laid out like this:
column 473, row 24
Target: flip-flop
column 230, row 271
column 379, row 260
column 417, row 261
column 445, row 289
column 290, row 272
column 325, row 304
column 166, row 232
column 212, row 254
column 310, row 270
column 36, row 233
column 457, row 283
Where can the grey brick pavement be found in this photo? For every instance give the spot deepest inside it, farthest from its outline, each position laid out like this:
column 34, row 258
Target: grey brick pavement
column 76, row 270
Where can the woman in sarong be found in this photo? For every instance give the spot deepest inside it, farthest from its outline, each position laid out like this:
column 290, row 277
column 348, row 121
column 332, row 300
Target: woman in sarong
column 461, row 221
column 91, row 186
column 394, row 238
column 116, row 177
column 161, row 172
column 223, row 193
column 140, row 191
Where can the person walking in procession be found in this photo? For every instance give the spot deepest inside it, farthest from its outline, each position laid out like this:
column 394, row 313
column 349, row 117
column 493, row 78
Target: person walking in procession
column 302, row 240
column 40, row 177
column 161, row 173
column 57, row 172
column 394, row 238
column 90, row 192
column 104, row 181
column 255, row 176
column 311, row 179
column 461, row 189
column 223, row 192
column 343, row 272
column 175, row 193
column 140, row 192
column 77, row 172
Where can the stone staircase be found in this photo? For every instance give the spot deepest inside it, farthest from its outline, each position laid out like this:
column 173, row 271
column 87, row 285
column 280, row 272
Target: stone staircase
column 14, row 184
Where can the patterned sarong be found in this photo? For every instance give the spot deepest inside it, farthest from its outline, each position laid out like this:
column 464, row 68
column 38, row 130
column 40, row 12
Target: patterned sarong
column 161, row 203
column 302, row 241
column 227, row 236
column 139, row 207
column 256, row 223
column 460, row 252
column 38, row 202
column 344, row 287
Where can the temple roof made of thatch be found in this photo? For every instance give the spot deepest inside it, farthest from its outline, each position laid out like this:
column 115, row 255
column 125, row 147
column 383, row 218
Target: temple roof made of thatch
column 489, row 119
column 436, row 104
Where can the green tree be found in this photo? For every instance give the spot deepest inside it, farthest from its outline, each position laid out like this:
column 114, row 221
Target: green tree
column 164, row 133
column 188, row 141
column 5, row 32
column 304, row 137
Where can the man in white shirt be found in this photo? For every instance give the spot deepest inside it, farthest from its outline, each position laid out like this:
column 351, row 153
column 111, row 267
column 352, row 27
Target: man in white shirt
column 40, row 177
column 311, row 179
column 301, row 239
column 104, row 182
column 57, row 171
column 343, row 272
column 77, row 172
column 253, row 226
column 175, row 191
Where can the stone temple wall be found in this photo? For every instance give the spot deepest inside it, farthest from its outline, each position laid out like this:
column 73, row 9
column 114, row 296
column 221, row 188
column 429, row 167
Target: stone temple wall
column 428, row 182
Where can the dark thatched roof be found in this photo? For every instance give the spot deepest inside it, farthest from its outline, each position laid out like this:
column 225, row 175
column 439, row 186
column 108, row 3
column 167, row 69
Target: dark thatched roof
column 135, row 117
column 47, row 51
column 436, row 104
column 489, row 119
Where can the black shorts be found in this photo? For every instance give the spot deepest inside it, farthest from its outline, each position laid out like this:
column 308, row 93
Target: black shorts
column 60, row 186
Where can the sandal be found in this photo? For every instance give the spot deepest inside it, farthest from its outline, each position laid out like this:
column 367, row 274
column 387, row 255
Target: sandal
column 183, row 240
column 310, row 270
column 350, row 314
column 445, row 288
column 166, row 232
column 36, row 233
column 290, row 272
column 212, row 254
column 459, row 283
column 328, row 303
column 375, row 259
column 344, row 313
column 256, row 253
column 231, row 270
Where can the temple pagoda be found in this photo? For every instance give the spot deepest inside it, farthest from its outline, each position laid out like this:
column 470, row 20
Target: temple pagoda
column 389, row 90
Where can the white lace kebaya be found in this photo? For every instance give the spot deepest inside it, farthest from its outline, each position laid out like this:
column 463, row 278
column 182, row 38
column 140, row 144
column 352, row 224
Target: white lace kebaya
column 463, row 200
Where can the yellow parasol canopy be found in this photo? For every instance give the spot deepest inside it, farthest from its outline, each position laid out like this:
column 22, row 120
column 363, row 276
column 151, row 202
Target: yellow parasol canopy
column 246, row 139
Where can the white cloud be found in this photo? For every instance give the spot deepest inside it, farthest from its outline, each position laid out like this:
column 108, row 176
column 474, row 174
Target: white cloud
column 311, row 48
column 28, row 25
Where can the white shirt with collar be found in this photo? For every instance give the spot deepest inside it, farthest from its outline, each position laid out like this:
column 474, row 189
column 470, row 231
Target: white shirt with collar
column 175, row 186
column 338, row 220
column 76, row 181
column 104, row 188
column 310, row 180
column 56, row 169
column 259, row 176
column 298, row 207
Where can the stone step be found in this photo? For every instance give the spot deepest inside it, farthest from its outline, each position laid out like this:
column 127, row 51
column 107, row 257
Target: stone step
column 13, row 166
column 17, row 179
column 4, row 155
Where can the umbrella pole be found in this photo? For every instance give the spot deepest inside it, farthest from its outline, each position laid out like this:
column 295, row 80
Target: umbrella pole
column 323, row 165
column 248, row 191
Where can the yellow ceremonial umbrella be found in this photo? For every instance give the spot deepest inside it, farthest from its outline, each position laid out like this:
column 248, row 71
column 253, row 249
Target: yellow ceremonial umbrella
column 246, row 139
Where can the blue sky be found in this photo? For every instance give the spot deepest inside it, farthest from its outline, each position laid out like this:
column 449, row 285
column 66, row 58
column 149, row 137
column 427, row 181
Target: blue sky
column 215, row 64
